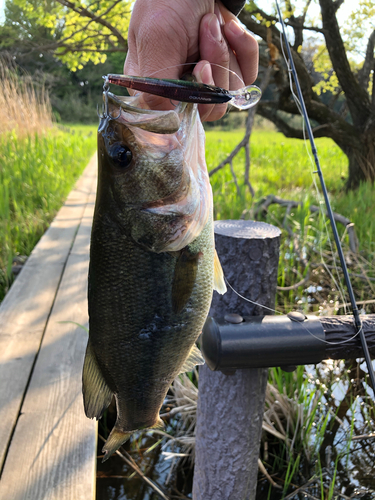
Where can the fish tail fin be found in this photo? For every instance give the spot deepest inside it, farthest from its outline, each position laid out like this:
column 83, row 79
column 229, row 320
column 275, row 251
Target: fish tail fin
column 118, row 437
column 97, row 396
column 114, row 441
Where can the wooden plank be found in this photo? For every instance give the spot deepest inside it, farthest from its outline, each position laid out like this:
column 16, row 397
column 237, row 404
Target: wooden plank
column 26, row 308
column 54, row 444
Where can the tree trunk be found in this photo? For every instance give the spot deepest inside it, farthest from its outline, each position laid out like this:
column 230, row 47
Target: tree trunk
column 361, row 160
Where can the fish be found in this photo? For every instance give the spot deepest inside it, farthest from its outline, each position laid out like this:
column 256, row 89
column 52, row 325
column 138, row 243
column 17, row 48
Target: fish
column 153, row 264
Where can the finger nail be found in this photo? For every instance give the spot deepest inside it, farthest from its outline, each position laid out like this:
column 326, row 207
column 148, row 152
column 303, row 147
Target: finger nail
column 214, row 28
column 219, row 15
column 205, row 74
column 235, row 28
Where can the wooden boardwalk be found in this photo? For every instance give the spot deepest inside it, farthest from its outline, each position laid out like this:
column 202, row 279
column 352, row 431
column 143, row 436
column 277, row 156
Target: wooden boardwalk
column 47, row 445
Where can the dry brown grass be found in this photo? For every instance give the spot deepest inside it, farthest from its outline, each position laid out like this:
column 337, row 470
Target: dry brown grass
column 22, row 107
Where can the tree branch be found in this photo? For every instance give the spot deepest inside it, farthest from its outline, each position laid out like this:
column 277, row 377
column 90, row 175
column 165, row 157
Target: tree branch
column 86, row 13
column 297, row 23
column 357, row 97
column 287, row 130
column 364, row 73
column 269, row 110
column 337, row 4
column 305, row 78
column 293, row 22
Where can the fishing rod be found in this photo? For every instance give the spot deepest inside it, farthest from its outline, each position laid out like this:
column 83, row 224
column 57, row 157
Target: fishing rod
column 357, row 319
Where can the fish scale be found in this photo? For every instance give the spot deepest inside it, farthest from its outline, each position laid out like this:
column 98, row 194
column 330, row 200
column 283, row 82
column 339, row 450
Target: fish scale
column 123, row 308
column 149, row 294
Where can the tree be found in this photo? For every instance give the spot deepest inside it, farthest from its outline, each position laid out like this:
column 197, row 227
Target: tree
column 348, row 117
column 79, row 32
column 74, row 95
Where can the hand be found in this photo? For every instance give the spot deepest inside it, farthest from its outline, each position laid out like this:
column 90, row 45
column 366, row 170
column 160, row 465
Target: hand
column 163, row 35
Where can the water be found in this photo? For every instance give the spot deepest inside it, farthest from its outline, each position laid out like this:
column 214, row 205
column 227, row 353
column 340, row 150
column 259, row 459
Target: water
column 343, row 456
column 116, row 480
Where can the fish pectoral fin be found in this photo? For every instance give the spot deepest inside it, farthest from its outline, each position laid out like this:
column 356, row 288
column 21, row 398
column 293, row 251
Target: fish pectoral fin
column 195, row 358
column 219, row 282
column 185, row 274
column 114, row 441
column 97, row 396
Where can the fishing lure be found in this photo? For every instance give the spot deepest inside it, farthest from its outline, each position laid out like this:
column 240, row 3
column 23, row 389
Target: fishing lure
column 189, row 91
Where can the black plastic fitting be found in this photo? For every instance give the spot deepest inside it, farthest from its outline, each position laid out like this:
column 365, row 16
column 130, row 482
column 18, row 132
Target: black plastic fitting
column 234, row 342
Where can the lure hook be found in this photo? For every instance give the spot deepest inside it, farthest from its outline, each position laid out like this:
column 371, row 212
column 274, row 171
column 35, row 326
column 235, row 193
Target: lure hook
column 114, row 117
column 105, row 91
column 106, row 113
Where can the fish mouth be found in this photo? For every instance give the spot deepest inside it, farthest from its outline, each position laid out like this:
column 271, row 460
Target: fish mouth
column 159, row 122
column 189, row 206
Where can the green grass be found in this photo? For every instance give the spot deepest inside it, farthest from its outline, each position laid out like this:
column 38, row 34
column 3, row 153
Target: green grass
column 36, row 175
column 281, row 167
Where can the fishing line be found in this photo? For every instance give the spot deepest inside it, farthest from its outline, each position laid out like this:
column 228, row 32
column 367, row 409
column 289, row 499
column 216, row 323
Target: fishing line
column 357, row 319
column 301, row 323
column 318, row 194
column 249, row 300
column 192, row 64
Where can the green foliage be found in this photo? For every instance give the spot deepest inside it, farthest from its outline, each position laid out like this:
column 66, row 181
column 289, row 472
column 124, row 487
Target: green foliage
column 79, row 33
column 36, row 175
column 75, row 96
column 357, row 25
column 323, row 66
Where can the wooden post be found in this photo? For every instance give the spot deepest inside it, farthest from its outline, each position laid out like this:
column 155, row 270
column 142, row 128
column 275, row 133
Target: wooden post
column 230, row 407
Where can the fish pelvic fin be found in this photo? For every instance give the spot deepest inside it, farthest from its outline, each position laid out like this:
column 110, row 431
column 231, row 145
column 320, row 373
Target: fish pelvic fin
column 97, row 395
column 219, row 282
column 195, row 358
column 114, row 441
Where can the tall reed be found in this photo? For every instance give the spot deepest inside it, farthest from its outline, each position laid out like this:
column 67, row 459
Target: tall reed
column 24, row 108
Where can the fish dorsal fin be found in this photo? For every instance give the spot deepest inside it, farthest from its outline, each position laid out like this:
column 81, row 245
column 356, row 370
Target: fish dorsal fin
column 195, row 358
column 97, row 396
column 219, row 282
column 184, row 277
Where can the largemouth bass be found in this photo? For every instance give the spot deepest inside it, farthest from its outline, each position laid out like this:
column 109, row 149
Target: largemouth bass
column 153, row 265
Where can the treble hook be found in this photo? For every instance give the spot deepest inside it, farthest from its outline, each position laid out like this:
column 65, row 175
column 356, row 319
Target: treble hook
column 105, row 91
column 106, row 113
column 115, row 117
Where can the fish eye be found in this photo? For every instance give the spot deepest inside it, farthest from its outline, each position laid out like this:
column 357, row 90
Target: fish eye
column 121, row 155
